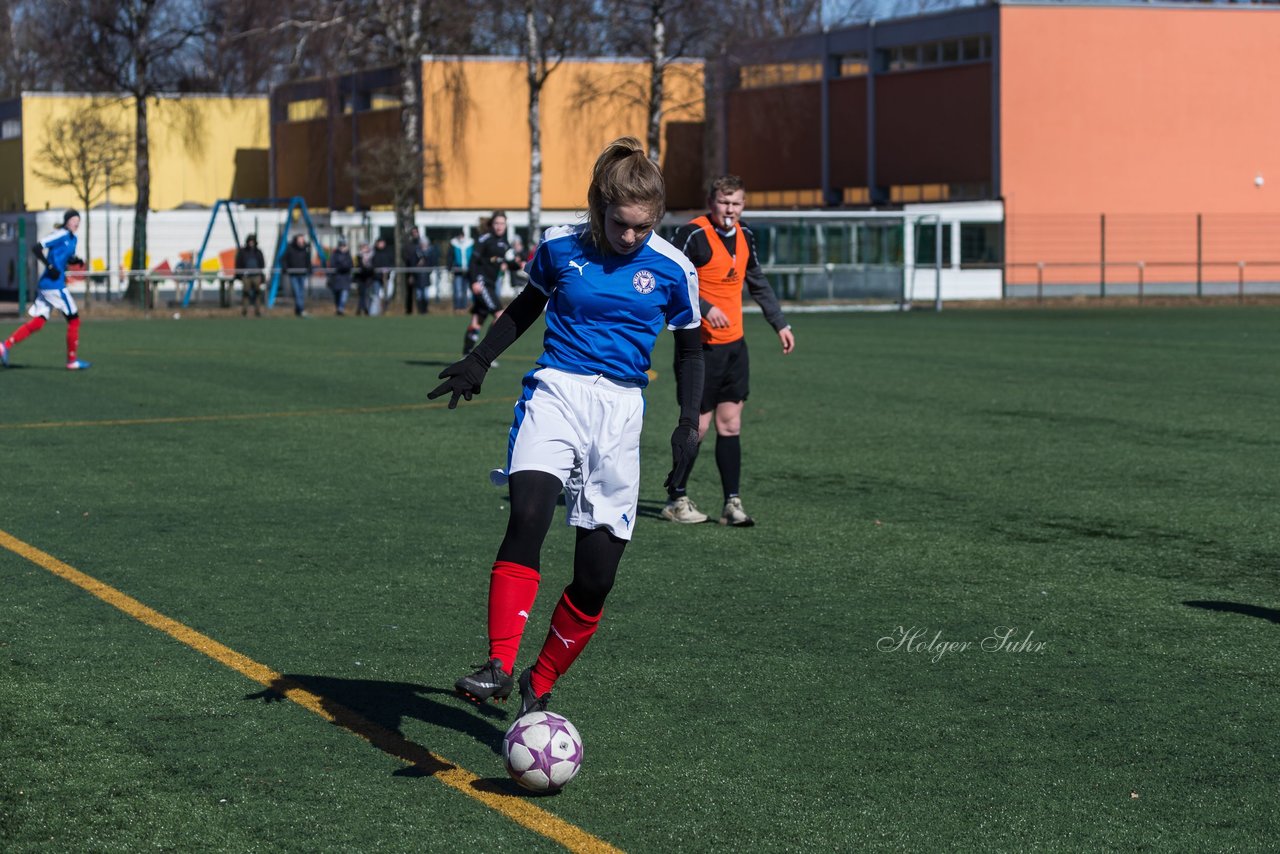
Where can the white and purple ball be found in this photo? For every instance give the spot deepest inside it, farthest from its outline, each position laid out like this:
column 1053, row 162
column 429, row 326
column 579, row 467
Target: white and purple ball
column 542, row 751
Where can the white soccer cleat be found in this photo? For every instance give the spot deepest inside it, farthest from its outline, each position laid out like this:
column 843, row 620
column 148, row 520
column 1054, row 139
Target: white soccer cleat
column 684, row 511
column 78, row 365
column 734, row 515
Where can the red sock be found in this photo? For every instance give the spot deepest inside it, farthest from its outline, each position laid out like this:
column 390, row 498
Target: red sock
column 512, row 589
column 35, row 324
column 73, row 337
column 570, row 631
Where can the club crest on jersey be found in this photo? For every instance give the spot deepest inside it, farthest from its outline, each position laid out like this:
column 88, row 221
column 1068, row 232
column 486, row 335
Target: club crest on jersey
column 644, row 282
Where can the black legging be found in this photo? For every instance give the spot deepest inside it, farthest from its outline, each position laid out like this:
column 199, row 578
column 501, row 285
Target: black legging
column 596, row 555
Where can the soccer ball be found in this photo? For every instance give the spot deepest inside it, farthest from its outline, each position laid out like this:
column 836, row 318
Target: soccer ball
column 542, row 751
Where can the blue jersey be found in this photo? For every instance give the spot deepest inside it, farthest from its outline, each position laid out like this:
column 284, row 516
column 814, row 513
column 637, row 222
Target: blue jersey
column 604, row 312
column 59, row 249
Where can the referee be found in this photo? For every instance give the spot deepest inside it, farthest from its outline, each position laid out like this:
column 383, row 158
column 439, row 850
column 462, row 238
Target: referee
column 723, row 249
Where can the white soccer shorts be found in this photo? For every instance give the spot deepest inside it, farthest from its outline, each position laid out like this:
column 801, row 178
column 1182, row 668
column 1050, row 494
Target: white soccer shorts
column 48, row 299
column 585, row 430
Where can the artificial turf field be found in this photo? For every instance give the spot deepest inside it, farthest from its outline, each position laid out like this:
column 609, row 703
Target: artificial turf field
column 1104, row 482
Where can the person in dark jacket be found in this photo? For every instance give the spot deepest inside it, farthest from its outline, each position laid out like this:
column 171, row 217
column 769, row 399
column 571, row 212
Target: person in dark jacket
column 366, row 278
column 489, row 260
column 418, row 279
column 249, row 267
column 384, row 261
column 297, row 263
column 340, row 276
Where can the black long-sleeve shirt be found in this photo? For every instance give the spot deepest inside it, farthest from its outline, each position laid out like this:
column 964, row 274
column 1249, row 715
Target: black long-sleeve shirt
column 487, row 258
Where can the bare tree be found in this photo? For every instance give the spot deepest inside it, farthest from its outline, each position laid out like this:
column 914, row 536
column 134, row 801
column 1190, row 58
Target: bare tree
column 552, row 29
column 21, row 61
column 90, row 156
column 253, row 46
column 402, row 33
column 138, row 49
column 663, row 32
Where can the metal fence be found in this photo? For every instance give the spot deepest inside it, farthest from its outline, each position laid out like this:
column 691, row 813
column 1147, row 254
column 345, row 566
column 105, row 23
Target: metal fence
column 178, row 289
column 1142, row 255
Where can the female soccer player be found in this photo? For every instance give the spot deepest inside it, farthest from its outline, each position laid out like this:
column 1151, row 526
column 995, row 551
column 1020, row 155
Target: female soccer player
column 608, row 287
column 55, row 251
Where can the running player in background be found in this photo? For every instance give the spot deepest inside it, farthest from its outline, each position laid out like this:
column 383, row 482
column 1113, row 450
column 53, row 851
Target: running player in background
column 609, row 287
column 488, row 261
column 55, row 251
column 723, row 249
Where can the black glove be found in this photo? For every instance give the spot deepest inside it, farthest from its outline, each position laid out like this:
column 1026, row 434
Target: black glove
column 52, row 272
column 462, row 378
column 684, row 449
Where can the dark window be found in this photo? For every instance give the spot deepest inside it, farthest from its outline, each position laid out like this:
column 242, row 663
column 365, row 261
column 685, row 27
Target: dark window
column 839, row 247
column 764, row 244
column 853, row 65
column 981, row 244
column 879, row 244
column 927, row 243
column 951, row 51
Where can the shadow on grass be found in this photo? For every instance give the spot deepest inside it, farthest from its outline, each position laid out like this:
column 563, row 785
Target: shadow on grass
column 1270, row 614
column 375, row 711
column 649, row 509
column 507, row 786
column 427, row 363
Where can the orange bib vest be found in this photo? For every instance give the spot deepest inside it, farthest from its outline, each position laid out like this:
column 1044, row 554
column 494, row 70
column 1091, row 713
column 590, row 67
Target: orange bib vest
column 720, row 282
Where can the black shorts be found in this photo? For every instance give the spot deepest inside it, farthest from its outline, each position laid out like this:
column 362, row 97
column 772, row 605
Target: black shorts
column 485, row 304
column 726, row 372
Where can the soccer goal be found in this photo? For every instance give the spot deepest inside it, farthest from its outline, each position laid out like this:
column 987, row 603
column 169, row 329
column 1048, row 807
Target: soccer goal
column 869, row 260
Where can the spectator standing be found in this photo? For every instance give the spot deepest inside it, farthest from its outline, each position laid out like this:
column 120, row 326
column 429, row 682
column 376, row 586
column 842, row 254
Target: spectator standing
column 340, row 276
column 297, row 263
column 460, row 260
column 249, row 267
column 418, row 276
column 432, row 261
column 366, row 280
column 384, row 262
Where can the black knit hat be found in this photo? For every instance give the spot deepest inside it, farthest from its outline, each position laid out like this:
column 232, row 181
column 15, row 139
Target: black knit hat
column 71, row 212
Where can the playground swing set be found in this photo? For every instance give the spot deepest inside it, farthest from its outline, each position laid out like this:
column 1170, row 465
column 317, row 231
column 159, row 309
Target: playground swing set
column 294, row 203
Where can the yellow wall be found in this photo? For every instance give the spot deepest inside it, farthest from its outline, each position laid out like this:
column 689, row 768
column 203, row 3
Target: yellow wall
column 475, row 124
column 202, row 148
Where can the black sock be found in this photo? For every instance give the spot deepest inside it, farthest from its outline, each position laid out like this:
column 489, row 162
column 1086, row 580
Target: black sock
column 469, row 340
column 729, row 461
column 676, row 490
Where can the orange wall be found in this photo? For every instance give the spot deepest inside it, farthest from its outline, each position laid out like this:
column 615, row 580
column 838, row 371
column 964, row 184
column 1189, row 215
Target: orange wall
column 1139, row 110
column 475, row 123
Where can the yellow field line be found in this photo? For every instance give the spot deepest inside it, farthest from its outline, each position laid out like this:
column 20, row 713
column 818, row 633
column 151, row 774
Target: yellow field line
column 519, row 810
column 243, row 416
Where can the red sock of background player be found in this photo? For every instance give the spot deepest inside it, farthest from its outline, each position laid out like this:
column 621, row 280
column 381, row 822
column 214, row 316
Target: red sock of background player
column 570, row 631
column 512, row 589
column 35, row 324
column 73, row 338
